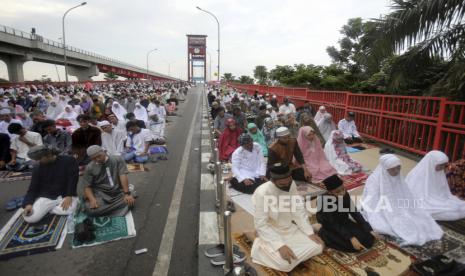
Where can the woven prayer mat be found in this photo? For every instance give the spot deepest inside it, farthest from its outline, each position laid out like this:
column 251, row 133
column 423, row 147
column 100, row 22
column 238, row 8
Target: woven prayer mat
column 133, row 168
column 384, row 258
column 309, row 189
column 350, row 181
column 458, row 225
column 362, row 146
column 452, row 244
column 107, row 229
column 7, row 176
column 19, row 238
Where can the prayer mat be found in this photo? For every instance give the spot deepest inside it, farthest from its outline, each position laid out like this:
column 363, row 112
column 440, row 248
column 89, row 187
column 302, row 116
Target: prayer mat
column 354, row 180
column 107, row 229
column 362, row 146
column 384, row 258
column 161, row 149
column 133, row 168
column 19, row 238
column 452, row 244
column 352, row 150
column 457, row 226
column 309, row 190
column 7, row 176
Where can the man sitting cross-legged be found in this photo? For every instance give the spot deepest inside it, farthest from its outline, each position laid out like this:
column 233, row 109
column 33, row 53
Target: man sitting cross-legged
column 343, row 227
column 53, row 184
column 285, row 236
column 106, row 184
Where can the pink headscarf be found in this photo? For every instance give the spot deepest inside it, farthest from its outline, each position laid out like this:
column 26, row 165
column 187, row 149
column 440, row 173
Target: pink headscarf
column 314, row 156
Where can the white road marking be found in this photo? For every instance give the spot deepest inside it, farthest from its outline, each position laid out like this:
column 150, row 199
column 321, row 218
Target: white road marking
column 205, row 142
column 205, row 157
column 208, row 228
column 162, row 265
column 206, row 182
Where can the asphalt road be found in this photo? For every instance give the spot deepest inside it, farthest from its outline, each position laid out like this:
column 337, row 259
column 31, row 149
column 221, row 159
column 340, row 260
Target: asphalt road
column 155, row 190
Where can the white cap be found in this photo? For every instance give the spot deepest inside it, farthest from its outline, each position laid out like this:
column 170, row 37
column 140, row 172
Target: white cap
column 103, row 123
column 282, row 131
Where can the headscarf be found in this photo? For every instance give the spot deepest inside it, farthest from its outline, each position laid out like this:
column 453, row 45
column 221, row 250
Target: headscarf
column 141, row 113
column 118, row 110
column 269, row 133
column 228, row 141
column 326, row 125
column 390, row 208
column 319, row 114
column 336, row 153
column 258, row 138
column 431, row 187
column 70, row 115
column 314, row 156
column 54, row 111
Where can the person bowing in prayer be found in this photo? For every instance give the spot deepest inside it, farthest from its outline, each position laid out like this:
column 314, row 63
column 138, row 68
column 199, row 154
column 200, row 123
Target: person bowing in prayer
column 285, row 237
column 53, row 184
column 343, row 230
column 391, row 209
column 428, row 183
column 248, row 166
column 106, row 185
column 284, row 150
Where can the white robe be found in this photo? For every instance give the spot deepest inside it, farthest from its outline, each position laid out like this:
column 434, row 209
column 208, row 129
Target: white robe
column 53, row 112
column 337, row 163
column 70, row 116
column 431, row 187
column 349, row 129
column 119, row 111
column 391, row 209
column 276, row 229
column 248, row 164
column 326, row 126
column 113, row 143
column 141, row 113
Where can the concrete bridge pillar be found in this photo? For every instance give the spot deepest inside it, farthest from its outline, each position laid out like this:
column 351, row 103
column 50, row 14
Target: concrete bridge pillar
column 14, row 65
column 83, row 73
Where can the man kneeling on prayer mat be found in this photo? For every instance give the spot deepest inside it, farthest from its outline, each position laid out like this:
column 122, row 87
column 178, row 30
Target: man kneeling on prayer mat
column 285, row 237
column 53, row 184
column 106, row 184
column 344, row 230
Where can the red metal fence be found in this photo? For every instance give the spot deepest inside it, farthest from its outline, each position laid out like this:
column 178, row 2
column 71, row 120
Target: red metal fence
column 415, row 124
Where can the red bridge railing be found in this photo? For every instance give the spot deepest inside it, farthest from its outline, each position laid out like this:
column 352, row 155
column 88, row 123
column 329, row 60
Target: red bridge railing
column 414, row 124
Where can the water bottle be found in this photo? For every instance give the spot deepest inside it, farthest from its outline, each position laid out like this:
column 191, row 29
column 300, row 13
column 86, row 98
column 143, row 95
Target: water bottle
column 70, row 223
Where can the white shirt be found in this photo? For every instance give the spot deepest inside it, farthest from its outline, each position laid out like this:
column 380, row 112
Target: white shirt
column 248, row 164
column 287, row 109
column 159, row 110
column 349, row 129
column 113, row 143
column 138, row 140
column 22, row 148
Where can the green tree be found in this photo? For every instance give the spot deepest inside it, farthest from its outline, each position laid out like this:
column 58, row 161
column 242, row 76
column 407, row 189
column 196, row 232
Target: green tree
column 427, row 33
column 109, row 76
column 228, row 77
column 261, row 74
column 246, row 80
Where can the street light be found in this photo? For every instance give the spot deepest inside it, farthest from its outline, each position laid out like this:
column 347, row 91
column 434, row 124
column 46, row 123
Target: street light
column 218, row 22
column 148, row 53
column 169, row 66
column 64, row 39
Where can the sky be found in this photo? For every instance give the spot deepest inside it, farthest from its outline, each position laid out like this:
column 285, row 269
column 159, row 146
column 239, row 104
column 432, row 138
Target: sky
column 253, row 32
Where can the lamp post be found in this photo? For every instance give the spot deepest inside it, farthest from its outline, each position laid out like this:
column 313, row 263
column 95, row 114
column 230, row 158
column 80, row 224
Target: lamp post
column 218, row 22
column 148, row 53
column 64, row 40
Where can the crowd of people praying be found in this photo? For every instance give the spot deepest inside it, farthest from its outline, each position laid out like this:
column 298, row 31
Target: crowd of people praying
column 275, row 146
column 92, row 129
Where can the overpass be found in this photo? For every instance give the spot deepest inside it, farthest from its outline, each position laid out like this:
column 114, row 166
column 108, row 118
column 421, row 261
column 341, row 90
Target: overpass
column 18, row 47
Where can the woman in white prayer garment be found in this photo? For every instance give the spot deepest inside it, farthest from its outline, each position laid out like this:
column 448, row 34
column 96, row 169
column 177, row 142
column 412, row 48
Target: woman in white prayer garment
column 392, row 210
column 141, row 113
column 54, row 110
column 119, row 111
column 428, row 183
column 70, row 115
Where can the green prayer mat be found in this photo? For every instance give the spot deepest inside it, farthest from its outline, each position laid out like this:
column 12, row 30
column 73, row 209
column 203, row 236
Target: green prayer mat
column 107, row 229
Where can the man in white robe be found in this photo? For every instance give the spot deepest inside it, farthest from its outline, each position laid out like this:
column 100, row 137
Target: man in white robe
column 112, row 139
column 392, row 210
column 285, row 237
column 428, row 183
column 349, row 129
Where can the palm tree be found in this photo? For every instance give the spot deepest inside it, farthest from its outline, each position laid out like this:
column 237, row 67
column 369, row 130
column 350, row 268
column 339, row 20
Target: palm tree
column 424, row 31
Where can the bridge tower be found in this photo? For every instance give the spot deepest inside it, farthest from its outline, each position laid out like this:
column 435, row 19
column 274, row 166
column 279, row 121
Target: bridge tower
column 197, row 58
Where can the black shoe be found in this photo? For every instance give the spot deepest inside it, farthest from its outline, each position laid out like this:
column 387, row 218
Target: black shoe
column 218, row 250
